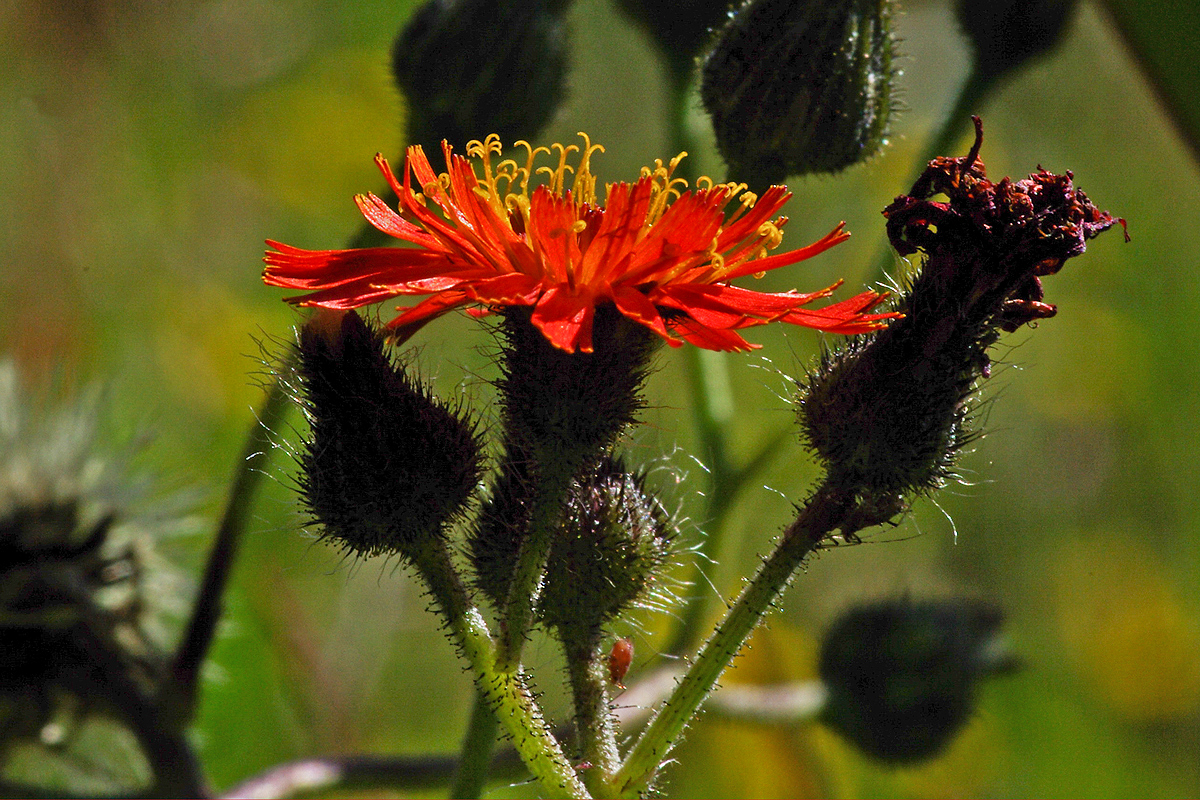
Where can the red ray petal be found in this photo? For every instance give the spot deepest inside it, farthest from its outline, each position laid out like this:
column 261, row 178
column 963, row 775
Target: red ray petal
column 748, row 224
column 503, row 290
column 566, row 319
column 722, row 306
column 710, row 339
column 385, row 219
column 846, row 317
column 430, row 308
column 294, row 268
column 637, row 307
column 750, row 267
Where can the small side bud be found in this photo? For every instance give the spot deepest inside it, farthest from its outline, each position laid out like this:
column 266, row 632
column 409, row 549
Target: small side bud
column 469, row 67
column 494, row 542
column 888, row 414
column 614, row 541
column 800, row 87
column 902, row 676
column 386, row 465
column 1005, row 34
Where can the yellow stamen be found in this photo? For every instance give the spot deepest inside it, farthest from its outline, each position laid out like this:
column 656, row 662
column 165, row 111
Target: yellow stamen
column 583, row 190
column 557, row 175
column 665, row 189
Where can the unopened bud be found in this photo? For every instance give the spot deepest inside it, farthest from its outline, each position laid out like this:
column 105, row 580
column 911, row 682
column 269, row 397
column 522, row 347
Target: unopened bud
column 615, row 539
column 902, row 677
column 470, row 67
column 494, row 542
column 1007, row 33
column 799, row 86
column 78, row 574
column 386, row 465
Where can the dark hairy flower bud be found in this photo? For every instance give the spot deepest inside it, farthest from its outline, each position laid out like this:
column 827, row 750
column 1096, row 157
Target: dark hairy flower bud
column 615, row 539
column 472, row 67
column 386, row 465
column 799, row 86
column 902, row 676
column 887, row 414
column 1007, row 33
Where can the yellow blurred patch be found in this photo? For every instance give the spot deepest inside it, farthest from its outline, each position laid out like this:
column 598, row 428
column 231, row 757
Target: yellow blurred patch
column 745, row 759
column 1126, row 628
column 204, row 348
column 310, row 141
column 968, row 767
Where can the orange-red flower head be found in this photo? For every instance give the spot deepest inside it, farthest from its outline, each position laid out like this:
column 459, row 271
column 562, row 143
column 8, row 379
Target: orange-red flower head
column 663, row 255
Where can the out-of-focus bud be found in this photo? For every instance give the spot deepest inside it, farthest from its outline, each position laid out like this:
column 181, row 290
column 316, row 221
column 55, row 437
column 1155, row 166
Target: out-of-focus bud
column 81, row 591
column 1007, row 33
column 889, row 413
column 902, row 677
column 614, row 541
column 800, row 86
column 386, row 465
column 680, row 28
column 470, row 67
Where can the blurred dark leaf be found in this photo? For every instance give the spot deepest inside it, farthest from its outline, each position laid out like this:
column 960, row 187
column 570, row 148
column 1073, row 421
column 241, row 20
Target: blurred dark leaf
column 1164, row 36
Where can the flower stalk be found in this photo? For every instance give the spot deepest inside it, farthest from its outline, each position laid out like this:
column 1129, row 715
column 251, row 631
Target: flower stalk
column 822, row 514
column 595, row 727
column 505, row 690
column 531, row 562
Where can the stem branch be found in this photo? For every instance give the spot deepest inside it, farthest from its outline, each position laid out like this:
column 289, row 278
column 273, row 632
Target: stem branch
column 823, row 512
column 505, row 691
column 475, row 763
column 594, row 721
column 552, row 483
column 180, row 689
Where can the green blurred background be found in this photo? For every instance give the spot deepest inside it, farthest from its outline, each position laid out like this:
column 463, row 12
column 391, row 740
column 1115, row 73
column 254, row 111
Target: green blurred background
column 150, row 146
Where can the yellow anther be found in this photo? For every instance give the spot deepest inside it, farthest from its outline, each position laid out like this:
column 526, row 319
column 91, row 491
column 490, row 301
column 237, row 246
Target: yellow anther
column 558, row 174
column 507, row 171
column 771, row 233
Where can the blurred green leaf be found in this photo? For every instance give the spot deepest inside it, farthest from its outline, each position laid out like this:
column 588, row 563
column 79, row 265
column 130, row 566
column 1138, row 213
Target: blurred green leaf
column 1163, row 35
